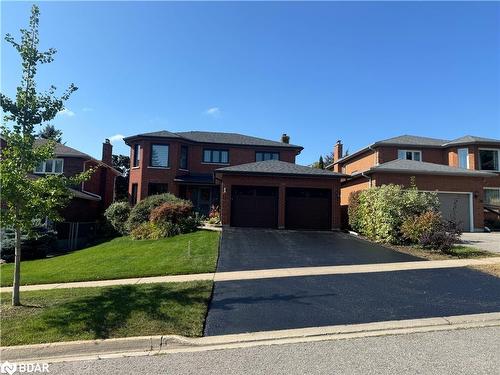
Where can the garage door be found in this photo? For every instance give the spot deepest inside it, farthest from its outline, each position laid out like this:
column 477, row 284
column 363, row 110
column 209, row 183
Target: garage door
column 254, row 206
column 308, row 208
column 456, row 207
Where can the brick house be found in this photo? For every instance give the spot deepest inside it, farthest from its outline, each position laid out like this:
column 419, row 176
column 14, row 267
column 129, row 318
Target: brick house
column 254, row 180
column 464, row 172
column 92, row 197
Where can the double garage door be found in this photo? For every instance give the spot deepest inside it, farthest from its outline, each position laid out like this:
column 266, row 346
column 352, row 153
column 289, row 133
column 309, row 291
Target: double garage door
column 258, row 206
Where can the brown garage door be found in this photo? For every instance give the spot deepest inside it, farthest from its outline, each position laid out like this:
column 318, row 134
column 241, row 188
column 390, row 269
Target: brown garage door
column 308, row 208
column 254, row 206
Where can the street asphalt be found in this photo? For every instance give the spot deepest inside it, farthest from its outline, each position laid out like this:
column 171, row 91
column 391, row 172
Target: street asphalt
column 309, row 301
column 256, row 249
column 470, row 351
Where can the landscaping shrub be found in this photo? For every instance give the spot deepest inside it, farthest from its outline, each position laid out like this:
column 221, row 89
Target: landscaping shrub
column 214, row 215
column 34, row 246
column 443, row 238
column 117, row 215
column 141, row 211
column 381, row 211
column 414, row 228
column 171, row 212
column 189, row 224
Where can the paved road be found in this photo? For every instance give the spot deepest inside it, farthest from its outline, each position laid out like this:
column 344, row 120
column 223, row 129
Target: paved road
column 485, row 241
column 309, row 301
column 254, row 249
column 472, row 351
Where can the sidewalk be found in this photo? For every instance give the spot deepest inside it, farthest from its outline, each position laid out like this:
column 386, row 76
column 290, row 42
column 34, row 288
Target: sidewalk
column 272, row 273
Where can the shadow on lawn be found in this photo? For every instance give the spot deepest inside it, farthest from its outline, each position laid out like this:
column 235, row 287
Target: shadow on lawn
column 110, row 310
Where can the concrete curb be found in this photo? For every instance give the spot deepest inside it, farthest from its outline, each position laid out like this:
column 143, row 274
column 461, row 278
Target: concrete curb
column 272, row 273
column 152, row 345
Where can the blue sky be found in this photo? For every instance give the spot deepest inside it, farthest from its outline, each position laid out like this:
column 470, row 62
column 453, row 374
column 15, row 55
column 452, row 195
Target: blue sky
column 355, row 71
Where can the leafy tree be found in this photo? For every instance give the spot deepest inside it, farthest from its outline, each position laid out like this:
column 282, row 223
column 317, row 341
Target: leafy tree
column 122, row 163
column 321, row 164
column 27, row 198
column 50, row 132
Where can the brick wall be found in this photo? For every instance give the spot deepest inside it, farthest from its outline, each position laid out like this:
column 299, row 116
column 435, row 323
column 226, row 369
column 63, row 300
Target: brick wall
column 144, row 174
column 350, row 186
column 282, row 183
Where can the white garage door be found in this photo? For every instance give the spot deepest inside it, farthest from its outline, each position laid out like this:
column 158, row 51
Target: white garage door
column 457, row 207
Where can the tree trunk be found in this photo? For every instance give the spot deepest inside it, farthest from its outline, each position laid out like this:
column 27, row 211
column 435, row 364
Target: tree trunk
column 16, row 300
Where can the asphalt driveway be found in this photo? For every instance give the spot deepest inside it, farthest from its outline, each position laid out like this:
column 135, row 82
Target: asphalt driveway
column 255, row 249
column 484, row 241
column 298, row 302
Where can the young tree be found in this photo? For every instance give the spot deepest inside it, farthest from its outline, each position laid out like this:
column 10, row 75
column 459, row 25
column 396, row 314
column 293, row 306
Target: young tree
column 50, row 132
column 321, row 164
column 27, row 198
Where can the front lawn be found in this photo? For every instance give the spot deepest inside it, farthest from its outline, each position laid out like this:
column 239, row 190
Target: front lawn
column 123, row 258
column 106, row 312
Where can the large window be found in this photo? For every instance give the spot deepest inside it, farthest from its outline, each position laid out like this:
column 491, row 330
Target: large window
column 492, row 196
column 159, row 156
column 51, row 166
column 137, row 150
column 261, row 156
column 216, row 156
column 183, row 163
column 488, row 160
column 410, row 155
column 463, row 158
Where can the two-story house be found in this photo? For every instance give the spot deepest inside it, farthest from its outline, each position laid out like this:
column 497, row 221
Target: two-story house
column 464, row 172
column 92, row 197
column 255, row 181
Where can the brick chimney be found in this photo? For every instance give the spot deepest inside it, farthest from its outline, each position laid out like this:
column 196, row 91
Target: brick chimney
column 337, row 154
column 285, row 138
column 107, row 152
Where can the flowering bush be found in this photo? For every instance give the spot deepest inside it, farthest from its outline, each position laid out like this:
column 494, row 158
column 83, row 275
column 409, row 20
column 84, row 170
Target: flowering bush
column 171, row 212
column 214, row 215
column 141, row 211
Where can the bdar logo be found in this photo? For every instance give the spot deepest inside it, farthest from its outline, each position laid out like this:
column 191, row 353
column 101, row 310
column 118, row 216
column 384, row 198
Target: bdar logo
column 8, row 368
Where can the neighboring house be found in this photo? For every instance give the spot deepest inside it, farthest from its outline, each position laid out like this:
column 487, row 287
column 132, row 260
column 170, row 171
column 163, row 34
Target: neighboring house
column 464, row 172
column 92, row 197
column 258, row 180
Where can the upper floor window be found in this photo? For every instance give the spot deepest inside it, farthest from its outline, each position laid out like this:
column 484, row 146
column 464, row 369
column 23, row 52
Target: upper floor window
column 492, row 196
column 50, row 166
column 159, row 156
column 216, row 156
column 261, row 156
column 410, row 155
column 137, row 150
column 488, row 159
column 463, row 158
column 183, row 162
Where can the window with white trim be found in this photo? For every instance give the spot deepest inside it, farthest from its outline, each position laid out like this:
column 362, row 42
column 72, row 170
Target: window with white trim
column 463, row 158
column 488, row 159
column 492, row 196
column 216, row 156
column 50, row 166
column 410, row 155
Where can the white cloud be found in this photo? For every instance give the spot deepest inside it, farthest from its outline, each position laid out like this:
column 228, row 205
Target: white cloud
column 214, row 112
column 87, row 109
column 66, row 112
column 116, row 138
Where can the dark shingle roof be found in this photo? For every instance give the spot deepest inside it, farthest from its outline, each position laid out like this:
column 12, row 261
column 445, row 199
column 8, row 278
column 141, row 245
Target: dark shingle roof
column 420, row 167
column 471, row 139
column 63, row 150
column 412, row 140
column 217, row 137
column 195, row 179
column 277, row 167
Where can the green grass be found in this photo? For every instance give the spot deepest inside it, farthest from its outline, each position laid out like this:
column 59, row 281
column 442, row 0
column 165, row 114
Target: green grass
column 105, row 312
column 461, row 251
column 123, row 258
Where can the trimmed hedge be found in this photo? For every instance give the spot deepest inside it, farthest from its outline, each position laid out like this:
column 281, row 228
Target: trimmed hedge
column 117, row 215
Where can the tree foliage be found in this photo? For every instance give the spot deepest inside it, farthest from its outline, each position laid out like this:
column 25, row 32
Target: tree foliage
column 122, row 163
column 50, row 132
column 27, row 197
